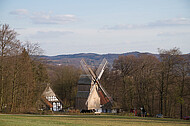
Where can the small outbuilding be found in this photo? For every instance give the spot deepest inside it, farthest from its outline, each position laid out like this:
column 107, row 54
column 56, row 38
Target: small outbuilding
column 50, row 100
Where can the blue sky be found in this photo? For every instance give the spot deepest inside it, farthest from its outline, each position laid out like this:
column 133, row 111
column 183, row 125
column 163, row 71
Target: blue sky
column 100, row 26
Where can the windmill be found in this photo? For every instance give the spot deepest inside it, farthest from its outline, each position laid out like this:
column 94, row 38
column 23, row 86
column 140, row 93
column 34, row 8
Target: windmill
column 98, row 95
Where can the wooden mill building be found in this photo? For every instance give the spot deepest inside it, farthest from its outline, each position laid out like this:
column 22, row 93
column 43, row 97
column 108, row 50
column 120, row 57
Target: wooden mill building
column 83, row 90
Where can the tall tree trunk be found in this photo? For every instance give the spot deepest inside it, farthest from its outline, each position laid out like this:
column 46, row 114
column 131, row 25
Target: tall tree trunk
column 13, row 96
column 166, row 94
column 181, row 110
column 2, row 84
column 181, row 94
column 152, row 108
column 161, row 93
column 124, row 95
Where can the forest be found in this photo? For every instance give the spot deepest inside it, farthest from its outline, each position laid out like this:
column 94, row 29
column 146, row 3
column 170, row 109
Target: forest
column 159, row 84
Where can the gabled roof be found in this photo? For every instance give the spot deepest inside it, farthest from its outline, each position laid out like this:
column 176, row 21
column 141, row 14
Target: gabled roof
column 48, row 92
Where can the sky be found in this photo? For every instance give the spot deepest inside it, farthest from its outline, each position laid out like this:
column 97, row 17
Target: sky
column 100, row 26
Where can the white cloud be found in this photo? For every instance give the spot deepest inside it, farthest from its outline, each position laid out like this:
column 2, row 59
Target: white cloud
column 160, row 23
column 45, row 18
column 122, row 27
column 19, row 12
column 171, row 34
column 171, row 22
column 50, row 34
column 49, row 18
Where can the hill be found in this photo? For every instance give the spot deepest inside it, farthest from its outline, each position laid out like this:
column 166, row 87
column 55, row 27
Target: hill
column 92, row 59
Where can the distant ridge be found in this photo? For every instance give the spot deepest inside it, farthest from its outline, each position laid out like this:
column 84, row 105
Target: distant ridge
column 92, row 59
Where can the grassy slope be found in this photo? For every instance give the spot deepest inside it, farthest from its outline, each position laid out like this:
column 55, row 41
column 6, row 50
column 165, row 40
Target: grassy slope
column 88, row 120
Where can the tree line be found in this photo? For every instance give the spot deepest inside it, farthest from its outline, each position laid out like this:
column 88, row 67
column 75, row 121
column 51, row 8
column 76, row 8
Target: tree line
column 159, row 84
column 22, row 77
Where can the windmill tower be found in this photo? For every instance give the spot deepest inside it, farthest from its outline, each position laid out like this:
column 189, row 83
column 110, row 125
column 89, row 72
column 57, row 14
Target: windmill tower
column 97, row 97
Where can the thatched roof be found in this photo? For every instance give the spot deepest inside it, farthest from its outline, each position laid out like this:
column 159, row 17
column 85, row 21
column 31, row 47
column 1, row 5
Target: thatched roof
column 48, row 92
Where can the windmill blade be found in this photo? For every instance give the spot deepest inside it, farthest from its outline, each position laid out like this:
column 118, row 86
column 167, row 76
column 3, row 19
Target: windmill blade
column 107, row 95
column 101, row 68
column 84, row 66
column 88, row 70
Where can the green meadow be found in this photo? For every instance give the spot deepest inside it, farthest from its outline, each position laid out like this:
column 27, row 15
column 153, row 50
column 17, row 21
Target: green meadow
column 87, row 120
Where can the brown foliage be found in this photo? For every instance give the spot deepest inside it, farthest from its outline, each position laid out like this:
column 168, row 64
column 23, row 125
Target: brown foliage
column 20, row 75
column 159, row 85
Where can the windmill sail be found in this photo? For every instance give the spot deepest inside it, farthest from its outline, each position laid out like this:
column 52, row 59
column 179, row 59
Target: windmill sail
column 85, row 67
column 88, row 70
column 101, row 69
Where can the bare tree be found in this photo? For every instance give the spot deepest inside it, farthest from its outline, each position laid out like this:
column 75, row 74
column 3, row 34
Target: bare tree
column 182, row 71
column 126, row 66
column 9, row 46
column 145, row 82
column 169, row 58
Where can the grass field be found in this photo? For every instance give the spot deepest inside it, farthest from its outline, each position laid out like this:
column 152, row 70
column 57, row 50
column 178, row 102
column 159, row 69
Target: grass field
column 87, row 120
